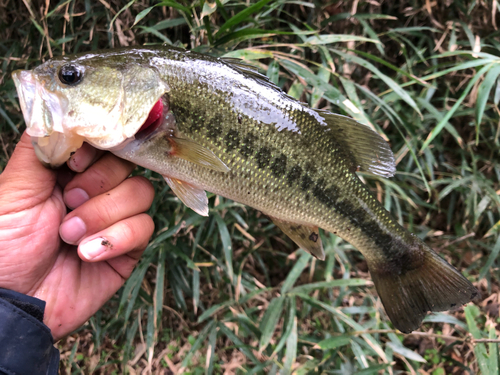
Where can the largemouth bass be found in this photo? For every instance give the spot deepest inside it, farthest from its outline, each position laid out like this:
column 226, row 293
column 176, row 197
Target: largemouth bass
column 215, row 124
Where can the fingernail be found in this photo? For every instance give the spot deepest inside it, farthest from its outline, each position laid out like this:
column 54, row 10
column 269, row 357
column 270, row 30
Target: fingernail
column 94, row 248
column 72, row 230
column 75, row 197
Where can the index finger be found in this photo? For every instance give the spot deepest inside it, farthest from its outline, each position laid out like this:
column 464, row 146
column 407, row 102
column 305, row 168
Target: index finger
column 104, row 175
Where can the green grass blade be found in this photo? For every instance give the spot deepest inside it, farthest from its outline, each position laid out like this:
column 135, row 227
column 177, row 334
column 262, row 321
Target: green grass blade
column 241, row 16
column 296, row 271
column 437, row 129
column 471, row 312
column 484, row 91
column 226, row 245
column 291, row 350
column 269, row 321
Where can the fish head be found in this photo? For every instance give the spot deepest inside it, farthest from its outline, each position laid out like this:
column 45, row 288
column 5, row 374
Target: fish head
column 93, row 98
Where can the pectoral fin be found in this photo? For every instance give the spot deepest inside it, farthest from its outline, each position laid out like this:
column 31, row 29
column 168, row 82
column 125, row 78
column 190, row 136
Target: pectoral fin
column 195, row 153
column 306, row 237
column 193, row 197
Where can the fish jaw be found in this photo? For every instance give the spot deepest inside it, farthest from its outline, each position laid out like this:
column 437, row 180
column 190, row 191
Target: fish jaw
column 43, row 110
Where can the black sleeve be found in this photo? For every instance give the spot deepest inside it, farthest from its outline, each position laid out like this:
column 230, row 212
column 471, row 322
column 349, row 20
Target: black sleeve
column 26, row 344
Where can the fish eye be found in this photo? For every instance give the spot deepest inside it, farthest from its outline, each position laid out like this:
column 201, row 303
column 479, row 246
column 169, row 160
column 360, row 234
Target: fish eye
column 70, row 75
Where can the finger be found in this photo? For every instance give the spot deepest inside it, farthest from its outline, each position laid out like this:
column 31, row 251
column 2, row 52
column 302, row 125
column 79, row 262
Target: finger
column 130, row 198
column 129, row 236
column 105, row 174
column 84, row 157
column 25, row 180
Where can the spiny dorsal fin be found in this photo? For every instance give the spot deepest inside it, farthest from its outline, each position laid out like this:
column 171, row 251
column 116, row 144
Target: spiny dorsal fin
column 306, row 237
column 251, row 72
column 369, row 151
column 193, row 197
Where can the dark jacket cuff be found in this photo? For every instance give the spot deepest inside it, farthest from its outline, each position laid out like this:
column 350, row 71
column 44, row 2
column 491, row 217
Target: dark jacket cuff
column 26, row 344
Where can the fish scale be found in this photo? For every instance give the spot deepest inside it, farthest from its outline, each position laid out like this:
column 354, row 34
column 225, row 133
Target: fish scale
column 227, row 129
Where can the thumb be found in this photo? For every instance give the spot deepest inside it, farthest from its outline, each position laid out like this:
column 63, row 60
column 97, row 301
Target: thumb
column 25, row 182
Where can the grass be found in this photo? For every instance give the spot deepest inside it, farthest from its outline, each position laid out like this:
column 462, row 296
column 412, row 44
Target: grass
column 228, row 293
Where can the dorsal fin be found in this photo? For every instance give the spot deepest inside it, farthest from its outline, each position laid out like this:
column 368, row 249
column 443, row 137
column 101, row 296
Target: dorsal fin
column 368, row 150
column 251, row 72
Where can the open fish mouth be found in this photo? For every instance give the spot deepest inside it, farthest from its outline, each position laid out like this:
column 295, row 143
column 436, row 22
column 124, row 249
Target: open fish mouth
column 53, row 136
column 42, row 109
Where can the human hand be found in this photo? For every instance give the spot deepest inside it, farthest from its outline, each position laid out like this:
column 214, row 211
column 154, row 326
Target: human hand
column 107, row 216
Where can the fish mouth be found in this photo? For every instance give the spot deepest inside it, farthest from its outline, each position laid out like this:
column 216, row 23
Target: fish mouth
column 42, row 109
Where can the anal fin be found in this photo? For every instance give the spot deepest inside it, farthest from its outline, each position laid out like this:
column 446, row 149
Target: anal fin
column 305, row 236
column 193, row 197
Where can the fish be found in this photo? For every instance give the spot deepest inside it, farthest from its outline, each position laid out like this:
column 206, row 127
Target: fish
column 216, row 124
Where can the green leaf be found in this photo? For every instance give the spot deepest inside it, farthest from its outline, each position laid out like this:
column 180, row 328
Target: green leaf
column 208, row 8
column 479, row 348
column 269, row 321
column 306, row 288
column 291, row 350
column 491, row 258
column 484, row 90
column 143, row 14
column 493, row 349
column 242, row 347
column 296, row 271
column 212, row 341
column 398, row 90
column 405, row 352
column 241, row 16
column 437, row 129
column 334, row 342
column 214, row 309
column 337, row 38
column 289, row 321
column 199, row 341
column 226, row 245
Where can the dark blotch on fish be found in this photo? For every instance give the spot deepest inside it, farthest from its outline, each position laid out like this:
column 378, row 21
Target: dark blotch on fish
column 279, row 166
column 263, row 157
column 232, row 140
column 294, row 175
column 247, row 148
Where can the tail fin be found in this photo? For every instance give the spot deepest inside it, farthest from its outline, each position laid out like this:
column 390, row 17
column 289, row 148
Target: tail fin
column 433, row 285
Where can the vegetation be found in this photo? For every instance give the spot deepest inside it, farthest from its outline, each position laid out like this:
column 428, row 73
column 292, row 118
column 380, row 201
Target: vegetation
column 229, row 293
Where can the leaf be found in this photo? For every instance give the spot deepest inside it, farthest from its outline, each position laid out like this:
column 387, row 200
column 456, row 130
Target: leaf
column 484, row 90
column 306, row 288
column 199, row 340
column 370, row 340
column 269, row 321
column 398, row 90
column 334, row 342
column 212, row 340
column 242, row 347
column 491, row 258
column 9, row 121
column 479, row 348
column 289, row 321
column 143, row 14
column 214, row 309
column 291, row 350
column 226, row 245
column 241, row 16
column 208, row 9
column 337, row 38
column 405, row 352
column 296, row 271
column 437, row 129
